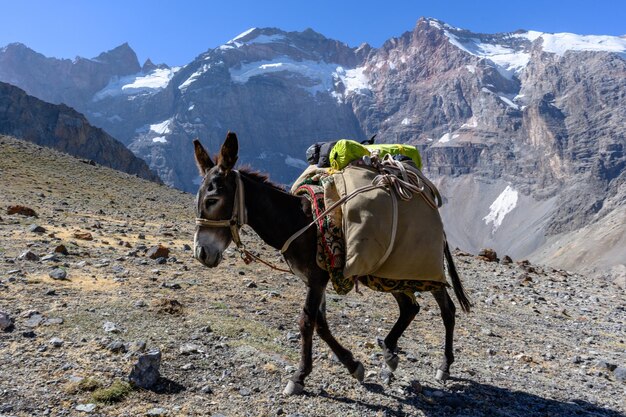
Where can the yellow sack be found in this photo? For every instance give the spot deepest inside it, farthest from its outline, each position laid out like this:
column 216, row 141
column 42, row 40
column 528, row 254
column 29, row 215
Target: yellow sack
column 346, row 151
column 397, row 149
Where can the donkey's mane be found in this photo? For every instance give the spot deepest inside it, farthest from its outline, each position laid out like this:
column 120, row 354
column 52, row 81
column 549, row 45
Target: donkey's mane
column 261, row 178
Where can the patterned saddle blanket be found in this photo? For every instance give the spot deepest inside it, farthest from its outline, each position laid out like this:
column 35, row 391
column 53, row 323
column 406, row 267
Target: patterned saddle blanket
column 331, row 248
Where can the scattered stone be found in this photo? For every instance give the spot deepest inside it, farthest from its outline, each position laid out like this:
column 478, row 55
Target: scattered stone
column 158, row 251
column 34, row 320
column 161, row 260
column 58, row 273
column 116, row 347
column 206, row 390
column 141, row 236
column 145, row 372
column 488, row 254
column 244, row 392
column 56, row 342
column 86, row 408
column 50, row 258
column 186, row 247
column 28, row 256
column 21, row 210
column 139, row 303
column 110, row 327
column 506, row 260
column 293, row 337
column 6, row 322
column 156, row 412
column 251, row 284
column 29, row 334
column 189, row 348
column 171, row 286
column 53, row 321
column 61, row 249
column 82, row 235
column 386, row 376
column 35, row 228
column 620, row 373
column 416, row 387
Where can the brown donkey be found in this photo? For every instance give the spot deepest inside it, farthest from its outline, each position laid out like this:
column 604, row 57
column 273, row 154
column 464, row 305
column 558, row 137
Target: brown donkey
column 229, row 198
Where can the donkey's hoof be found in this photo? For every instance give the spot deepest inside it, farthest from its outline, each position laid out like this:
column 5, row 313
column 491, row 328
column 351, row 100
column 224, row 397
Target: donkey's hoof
column 442, row 376
column 293, row 388
column 359, row 372
column 392, row 362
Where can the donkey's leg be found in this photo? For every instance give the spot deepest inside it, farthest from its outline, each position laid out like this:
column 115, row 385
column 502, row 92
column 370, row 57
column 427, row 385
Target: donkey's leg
column 447, row 314
column 355, row 368
column 308, row 317
column 408, row 311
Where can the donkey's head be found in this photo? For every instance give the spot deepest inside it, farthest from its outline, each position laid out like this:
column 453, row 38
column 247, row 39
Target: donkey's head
column 215, row 200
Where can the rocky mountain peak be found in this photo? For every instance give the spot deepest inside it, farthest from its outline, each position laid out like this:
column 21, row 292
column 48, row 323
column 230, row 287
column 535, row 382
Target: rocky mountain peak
column 122, row 59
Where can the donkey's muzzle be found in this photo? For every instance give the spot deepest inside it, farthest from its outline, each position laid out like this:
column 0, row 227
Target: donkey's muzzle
column 206, row 257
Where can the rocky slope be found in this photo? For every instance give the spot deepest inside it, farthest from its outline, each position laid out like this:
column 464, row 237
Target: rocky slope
column 228, row 336
column 63, row 128
column 524, row 131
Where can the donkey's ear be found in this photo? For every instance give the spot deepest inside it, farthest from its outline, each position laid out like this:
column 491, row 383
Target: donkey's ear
column 203, row 160
column 228, row 153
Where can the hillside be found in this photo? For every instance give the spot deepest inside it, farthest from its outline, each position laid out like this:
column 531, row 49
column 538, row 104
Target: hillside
column 63, row 128
column 540, row 341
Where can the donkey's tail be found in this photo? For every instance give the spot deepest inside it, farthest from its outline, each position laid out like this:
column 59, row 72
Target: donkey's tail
column 457, row 285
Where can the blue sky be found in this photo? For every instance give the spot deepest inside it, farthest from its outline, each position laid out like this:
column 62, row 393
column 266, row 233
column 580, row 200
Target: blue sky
column 175, row 32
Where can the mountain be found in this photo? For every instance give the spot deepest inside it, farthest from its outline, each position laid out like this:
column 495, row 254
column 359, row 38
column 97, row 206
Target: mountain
column 63, row 128
column 523, row 131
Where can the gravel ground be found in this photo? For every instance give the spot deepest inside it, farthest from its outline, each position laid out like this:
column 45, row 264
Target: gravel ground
column 539, row 342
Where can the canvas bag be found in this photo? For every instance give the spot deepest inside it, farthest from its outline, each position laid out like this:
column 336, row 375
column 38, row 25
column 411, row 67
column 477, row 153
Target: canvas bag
column 367, row 222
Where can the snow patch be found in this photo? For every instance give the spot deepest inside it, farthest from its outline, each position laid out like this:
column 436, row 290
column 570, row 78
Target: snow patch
column 159, row 139
column 355, row 79
column 445, row 138
column 471, row 68
column 509, row 103
column 242, row 35
column 508, row 61
column 502, row 205
column 137, row 83
column 162, row 128
column 559, row 43
column 193, row 77
column 322, row 74
column 472, row 122
column 405, row 121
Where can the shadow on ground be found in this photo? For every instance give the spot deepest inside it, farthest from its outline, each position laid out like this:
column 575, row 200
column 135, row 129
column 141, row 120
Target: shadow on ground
column 476, row 399
column 167, row 386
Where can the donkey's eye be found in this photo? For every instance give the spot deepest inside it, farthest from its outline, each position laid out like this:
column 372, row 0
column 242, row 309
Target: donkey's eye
column 209, row 202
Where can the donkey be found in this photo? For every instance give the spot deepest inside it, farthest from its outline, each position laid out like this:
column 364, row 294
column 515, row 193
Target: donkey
column 229, row 198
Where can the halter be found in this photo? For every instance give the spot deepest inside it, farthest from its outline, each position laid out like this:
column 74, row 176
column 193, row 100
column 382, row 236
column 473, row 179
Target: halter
column 238, row 218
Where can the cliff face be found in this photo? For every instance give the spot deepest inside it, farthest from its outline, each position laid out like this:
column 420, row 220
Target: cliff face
column 62, row 128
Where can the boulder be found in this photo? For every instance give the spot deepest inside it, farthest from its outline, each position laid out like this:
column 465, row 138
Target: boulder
column 158, row 251
column 21, row 210
column 488, row 255
column 145, row 372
